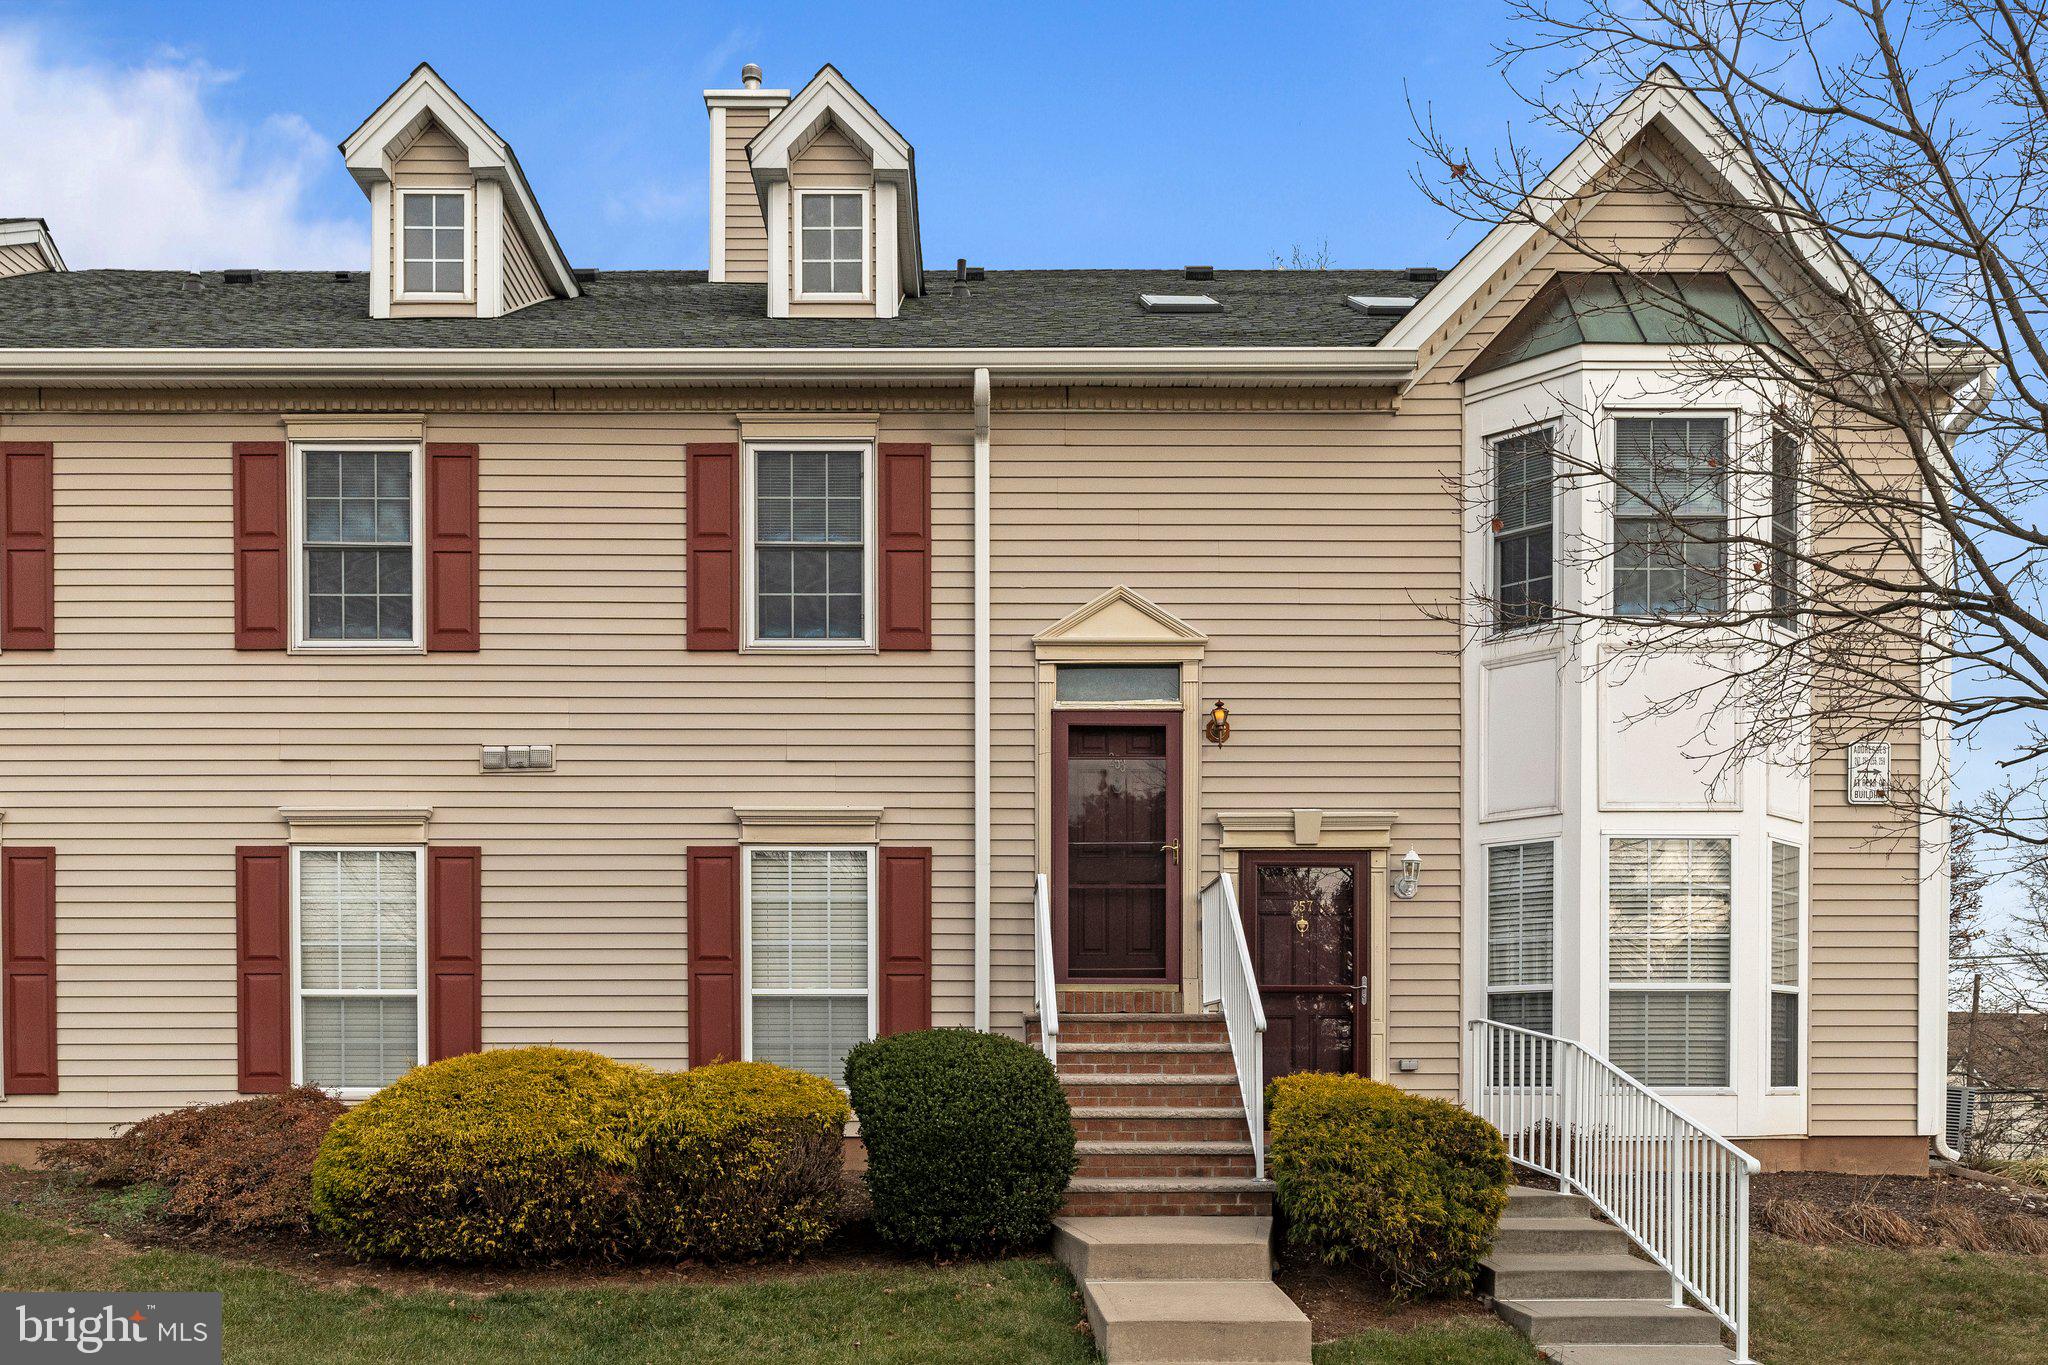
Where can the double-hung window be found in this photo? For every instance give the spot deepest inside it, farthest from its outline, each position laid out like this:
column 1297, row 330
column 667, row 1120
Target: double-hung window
column 1785, row 916
column 1520, row 936
column 1784, row 522
column 1522, row 574
column 810, row 519
column 357, row 944
column 1670, row 515
column 1668, row 959
column 810, row 985
column 832, row 244
column 358, row 530
column 433, row 240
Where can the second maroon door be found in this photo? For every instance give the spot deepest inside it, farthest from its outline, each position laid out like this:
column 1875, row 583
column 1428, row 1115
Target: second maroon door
column 1305, row 920
column 1116, row 844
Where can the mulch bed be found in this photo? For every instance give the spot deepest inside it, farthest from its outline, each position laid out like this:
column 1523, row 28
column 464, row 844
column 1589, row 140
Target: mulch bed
column 1946, row 1208
column 1342, row 1301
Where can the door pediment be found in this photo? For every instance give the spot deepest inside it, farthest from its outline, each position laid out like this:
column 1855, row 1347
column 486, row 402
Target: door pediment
column 1120, row 624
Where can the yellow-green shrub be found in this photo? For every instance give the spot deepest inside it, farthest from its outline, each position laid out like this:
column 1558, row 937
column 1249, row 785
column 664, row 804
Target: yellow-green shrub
column 740, row 1161
column 1412, row 1188
column 510, row 1157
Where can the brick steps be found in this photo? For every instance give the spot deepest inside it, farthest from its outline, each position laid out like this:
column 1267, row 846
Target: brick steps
column 1142, row 1159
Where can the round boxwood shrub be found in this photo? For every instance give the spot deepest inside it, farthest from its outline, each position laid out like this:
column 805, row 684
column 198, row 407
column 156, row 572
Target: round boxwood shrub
column 970, row 1144
column 739, row 1161
column 1410, row 1187
column 511, row 1157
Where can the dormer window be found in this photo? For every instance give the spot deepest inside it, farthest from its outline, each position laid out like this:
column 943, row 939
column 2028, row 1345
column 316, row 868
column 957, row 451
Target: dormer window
column 833, row 244
column 434, row 244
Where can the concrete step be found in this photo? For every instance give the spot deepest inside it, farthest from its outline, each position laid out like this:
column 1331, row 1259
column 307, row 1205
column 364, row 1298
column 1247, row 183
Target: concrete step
column 1524, row 1202
column 1572, row 1275
column 1141, row 1321
column 1165, row 1248
column 1205, row 1196
column 1601, row 1322
column 1112, row 1157
column 1638, row 1355
column 1556, row 1236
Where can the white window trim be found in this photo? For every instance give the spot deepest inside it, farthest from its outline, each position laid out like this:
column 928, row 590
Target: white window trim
column 1609, row 985
column 1771, row 988
column 296, row 571
column 1495, row 628
column 750, row 560
column 796, row 246
column 1549, row 988
column 419, row 990
column 872, row 853
column 1732, row 504
column 399, row 292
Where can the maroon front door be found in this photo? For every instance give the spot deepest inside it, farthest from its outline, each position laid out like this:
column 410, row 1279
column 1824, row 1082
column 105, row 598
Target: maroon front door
column 1305, row 918
column 1116, row 844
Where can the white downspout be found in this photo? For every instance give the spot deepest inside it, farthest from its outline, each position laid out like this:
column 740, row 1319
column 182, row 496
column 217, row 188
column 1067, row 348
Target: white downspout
column 981, row 700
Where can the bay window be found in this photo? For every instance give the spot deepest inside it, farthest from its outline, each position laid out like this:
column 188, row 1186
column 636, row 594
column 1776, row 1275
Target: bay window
column 1520, row 934
column 1785, row 924
column 1522, row 551
column 1668, row 960
column 809, row 968
column 1670, row 515
column 357, row 944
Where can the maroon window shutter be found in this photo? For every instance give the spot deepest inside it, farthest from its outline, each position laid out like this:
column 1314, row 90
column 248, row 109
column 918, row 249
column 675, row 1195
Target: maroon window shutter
column 28, row 542
column 905, row 966
column 28, row 955
column 455, row 931
column 714, row 892
column 454, row 549
column 712, row 550
column 262, row 594
column 904, row 572
column 263, row 969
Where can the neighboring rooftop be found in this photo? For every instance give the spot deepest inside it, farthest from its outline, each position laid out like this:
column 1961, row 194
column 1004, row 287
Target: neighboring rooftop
column 659, row 309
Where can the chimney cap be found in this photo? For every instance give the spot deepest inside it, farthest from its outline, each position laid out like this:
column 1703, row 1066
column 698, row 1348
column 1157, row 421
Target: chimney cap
column 750, row 75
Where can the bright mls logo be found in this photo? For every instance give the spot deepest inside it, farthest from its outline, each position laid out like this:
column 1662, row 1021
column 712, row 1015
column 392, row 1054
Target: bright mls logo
column 166, row 1329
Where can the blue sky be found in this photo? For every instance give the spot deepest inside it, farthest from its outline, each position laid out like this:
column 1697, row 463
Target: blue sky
column 1047, row 134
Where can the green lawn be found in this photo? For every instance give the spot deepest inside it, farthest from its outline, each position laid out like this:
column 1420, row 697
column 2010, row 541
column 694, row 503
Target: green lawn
column 1854, row 1305
column 1477, row 1342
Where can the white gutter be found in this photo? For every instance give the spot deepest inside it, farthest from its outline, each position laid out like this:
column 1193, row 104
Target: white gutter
column 559, row 365
column 982, row 766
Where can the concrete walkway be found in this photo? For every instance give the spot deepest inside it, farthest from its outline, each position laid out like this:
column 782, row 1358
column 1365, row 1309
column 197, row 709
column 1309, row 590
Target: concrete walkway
column 1182, row 1289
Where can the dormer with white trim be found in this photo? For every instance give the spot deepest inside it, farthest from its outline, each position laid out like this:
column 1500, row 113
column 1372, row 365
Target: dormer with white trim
column 455, row 230
column 819, row 204
column 26, row 247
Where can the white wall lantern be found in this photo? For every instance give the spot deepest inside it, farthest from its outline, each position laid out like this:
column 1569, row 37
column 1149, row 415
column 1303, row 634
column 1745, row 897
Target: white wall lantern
column 1410, row 879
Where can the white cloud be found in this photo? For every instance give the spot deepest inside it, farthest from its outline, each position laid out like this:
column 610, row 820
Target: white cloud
column 132, row 167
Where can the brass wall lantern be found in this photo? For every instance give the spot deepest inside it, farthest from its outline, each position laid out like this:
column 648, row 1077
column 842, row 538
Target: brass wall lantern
column 1218, row 728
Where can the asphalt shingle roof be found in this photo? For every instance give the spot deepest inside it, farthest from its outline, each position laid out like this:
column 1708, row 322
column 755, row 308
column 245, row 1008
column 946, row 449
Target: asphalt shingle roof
column 638, row 309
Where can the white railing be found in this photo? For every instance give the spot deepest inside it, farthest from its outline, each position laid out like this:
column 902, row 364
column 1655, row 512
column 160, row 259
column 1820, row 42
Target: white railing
column 1045, row 991
column 1228, row 980
column 1680, row 1191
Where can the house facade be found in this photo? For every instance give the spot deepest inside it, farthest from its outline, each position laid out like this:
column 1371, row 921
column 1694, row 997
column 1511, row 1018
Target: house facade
column 478, row 651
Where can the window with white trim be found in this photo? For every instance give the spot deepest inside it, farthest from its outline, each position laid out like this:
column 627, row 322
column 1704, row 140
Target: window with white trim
column 1669, row 904
column 1785, row 1012
column 1784, row 521
column 809, row 521
column 1522, row 529
column 433, row 243
column 832, row 244
column 357, row 931
column 809, row 969
column 357, row 524
column 1670, row 514
column 1520, row 934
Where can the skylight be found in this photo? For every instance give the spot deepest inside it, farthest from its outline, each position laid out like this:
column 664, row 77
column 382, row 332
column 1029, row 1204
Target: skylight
column 1378, row 306
column 1179, row 303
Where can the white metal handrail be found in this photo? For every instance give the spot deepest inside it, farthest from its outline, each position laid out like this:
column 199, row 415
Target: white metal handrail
column 1228, row 980
column 1045, row 991
column 1680, row 1191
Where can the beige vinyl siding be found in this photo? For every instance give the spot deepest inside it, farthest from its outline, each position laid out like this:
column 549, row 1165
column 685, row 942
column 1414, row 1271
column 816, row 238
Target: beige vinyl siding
column 830, row 162
column 1266, row 529
column 21, row 260
column 522, row 282
column 433, row 160
column 746, row 231
column 145, row 748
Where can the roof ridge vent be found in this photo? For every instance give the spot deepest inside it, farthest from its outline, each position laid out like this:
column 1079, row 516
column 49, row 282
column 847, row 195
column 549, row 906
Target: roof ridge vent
column 1424, row 274
column 238, row 277
column 1179, row 303
column 1201, row 272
